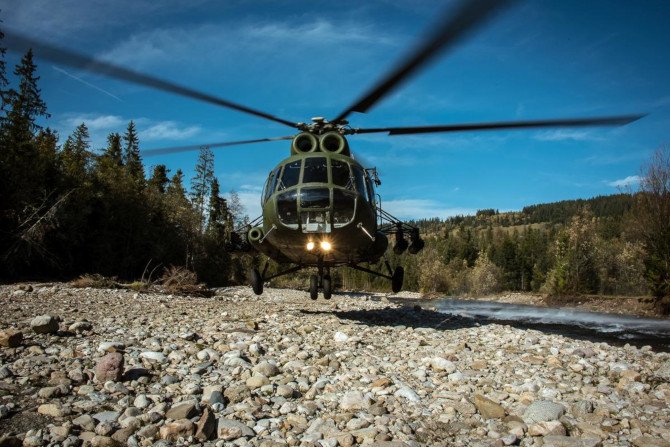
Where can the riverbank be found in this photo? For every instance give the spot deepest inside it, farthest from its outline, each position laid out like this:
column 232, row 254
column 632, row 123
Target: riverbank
column 115, row 367
column 623, row 305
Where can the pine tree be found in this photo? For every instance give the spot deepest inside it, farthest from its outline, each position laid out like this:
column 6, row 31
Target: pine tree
column 202, row 182
column 76, row 154
column 159, row 179
column 217, row 223
column 132, row 158
column 113, row 150
column 3, row 77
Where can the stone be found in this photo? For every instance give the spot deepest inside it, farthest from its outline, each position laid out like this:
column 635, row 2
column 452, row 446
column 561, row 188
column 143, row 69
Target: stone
column 257, row 381
column 228, row 430
column 441, row 364
column 154, row 357
column 488, row 408
column 648, row 441
column 183, row 410
column 407, row 393
column 570, row 441
column 182, row 428
column 103, row 441
column 109, row 367
column 148, row 431
column 543, row 410
column 111, row 346
column 205, row 429
column 237, row 394
column 354, row 400
column 267, row 369
column 11, row 338
column 340, row 337
column 107, row 416
column 53, row 410
column 545, row 428
column 85, row 421
column 80, row 326
column 44, row 324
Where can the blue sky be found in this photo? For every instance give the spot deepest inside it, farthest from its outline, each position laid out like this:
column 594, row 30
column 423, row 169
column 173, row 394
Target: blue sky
column 539, row 59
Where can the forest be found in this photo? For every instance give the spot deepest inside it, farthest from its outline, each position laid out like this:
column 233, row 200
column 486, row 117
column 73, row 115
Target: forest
column 67, row 209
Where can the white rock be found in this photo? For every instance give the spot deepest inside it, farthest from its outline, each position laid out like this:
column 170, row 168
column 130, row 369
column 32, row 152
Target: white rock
column 340, row 337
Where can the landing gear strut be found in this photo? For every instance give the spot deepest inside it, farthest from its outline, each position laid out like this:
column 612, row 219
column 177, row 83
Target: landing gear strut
column 396, row 276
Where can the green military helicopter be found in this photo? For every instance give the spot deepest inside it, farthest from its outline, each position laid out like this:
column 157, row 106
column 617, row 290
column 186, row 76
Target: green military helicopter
column 319, row 206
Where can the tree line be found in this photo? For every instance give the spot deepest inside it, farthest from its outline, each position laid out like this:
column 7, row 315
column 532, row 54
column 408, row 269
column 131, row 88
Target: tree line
column 67, row 209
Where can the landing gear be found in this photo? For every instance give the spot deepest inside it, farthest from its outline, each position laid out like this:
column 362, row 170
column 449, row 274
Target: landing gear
column 327, row 285
column 313, row 287
column 397, row 279
column 256, row 280
column 396, row 276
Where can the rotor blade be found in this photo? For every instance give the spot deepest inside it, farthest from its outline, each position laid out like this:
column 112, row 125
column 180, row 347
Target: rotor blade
column 196, row 147
column 569, row 122
column 18, row 43
column 452, row 27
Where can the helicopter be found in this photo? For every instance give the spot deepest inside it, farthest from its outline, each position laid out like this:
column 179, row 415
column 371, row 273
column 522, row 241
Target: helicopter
column 319, row 206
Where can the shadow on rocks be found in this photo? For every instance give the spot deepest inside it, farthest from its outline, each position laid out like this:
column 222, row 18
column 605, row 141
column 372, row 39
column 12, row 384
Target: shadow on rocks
column 408, row 316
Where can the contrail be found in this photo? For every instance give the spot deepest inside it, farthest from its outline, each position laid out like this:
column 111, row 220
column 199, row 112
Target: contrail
column 76, row 78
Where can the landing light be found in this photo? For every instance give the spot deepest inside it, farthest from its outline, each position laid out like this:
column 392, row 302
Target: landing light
column 325, row 246
column 310, row 246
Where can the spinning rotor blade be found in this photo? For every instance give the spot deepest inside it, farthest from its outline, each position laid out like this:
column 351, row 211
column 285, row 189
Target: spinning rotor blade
column 469, row 15
column 569, row 122
column 176, row 149
column 18, row 43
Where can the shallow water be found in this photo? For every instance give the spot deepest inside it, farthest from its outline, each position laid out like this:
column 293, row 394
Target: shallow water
column 595, row 326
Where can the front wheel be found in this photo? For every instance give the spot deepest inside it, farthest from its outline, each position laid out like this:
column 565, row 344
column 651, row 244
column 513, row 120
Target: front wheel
column 256, row 282
column 327, row 287
column 397, row 279
column 313, row 287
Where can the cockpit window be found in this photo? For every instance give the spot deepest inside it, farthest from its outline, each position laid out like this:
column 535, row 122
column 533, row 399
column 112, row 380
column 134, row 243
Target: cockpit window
column 340, row 173
column 343, row 207
column 316, row 170
column 290, row 175
column 359, row 177
column 314, row 198
column 270, row 185
column 287, row 208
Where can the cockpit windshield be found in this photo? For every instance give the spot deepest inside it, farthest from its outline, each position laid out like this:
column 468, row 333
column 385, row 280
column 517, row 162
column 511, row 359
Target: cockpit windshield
column 315, row 171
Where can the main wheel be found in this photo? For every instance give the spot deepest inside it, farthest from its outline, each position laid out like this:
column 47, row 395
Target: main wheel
column 327, row 284
column 256, row 282
column 313, row 287
column 397, row 279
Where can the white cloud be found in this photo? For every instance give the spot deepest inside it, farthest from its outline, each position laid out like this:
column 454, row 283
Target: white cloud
column 97, row 122
column 168, row 130
column 562, row 135
column 625, row 182
column 423, row 209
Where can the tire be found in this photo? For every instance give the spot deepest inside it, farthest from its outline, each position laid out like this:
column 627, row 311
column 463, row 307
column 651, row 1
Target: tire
column 327, row 287
column 313, row 287
column 397, row 279
column 256, row 282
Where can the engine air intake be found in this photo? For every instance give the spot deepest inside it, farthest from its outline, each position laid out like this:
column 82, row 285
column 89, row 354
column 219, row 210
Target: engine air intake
column 304, row 142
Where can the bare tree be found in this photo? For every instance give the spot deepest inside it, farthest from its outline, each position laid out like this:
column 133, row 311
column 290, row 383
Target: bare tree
column 651, row 225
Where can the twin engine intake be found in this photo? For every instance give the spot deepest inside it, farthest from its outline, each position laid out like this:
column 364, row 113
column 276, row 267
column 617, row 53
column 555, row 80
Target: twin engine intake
column 332, row 142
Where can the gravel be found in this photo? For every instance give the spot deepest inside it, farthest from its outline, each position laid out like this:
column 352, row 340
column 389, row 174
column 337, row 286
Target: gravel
column 143, row 369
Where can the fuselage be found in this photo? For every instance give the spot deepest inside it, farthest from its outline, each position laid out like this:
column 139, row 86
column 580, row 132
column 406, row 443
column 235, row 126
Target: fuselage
column 319, row 207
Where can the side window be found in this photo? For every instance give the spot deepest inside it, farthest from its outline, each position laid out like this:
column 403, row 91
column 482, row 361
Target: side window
column 359, row 178
column 340, row 173
column 267, row 190
column 273, row 182
column 287, row 208
column 371, row 192
column 290, row 175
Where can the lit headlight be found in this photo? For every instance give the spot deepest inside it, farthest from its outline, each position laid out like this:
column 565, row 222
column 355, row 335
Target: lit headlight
column 325, row 246
column 310, row 246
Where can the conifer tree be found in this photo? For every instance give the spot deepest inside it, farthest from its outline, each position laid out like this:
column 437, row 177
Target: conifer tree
column 202, row 182
column 132, row 158
column 113, row 150
column 159, row 179
column 76, row 153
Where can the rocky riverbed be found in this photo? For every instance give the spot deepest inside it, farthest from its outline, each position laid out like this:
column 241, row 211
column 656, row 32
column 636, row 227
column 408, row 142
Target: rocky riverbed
column 113, row 367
